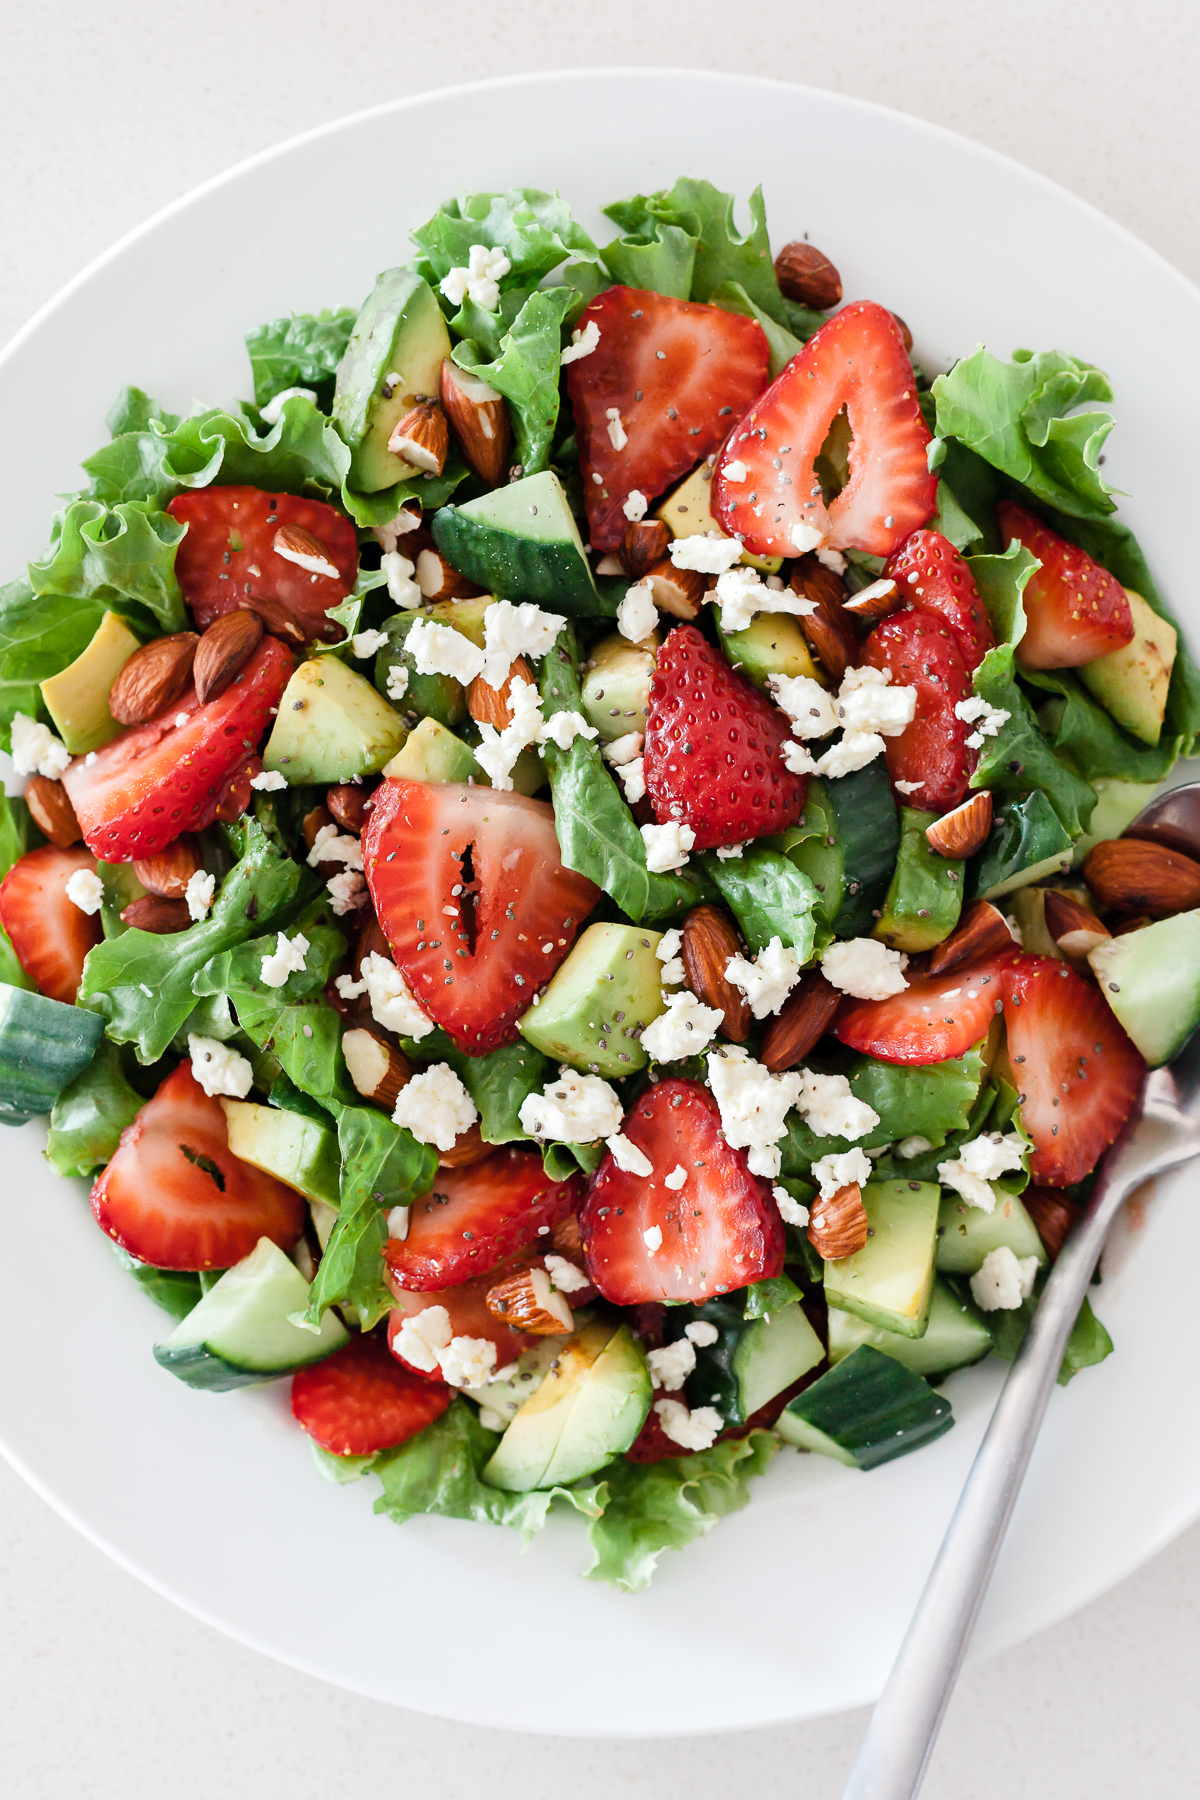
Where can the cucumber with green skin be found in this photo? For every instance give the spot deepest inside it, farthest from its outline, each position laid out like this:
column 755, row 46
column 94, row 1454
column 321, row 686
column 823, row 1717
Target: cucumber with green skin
column 43, row 1046
column 955, row 1336
column 521, row 542
column 867, row 1410
column 847, row 845
column 1151, row 979
column 241, row 1332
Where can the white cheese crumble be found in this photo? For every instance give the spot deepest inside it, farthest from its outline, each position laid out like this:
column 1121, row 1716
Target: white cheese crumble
column 440, row 650
column 497, row 751
column 671, row 1366
column 832, row 559
column 624, row 749
column 753, row 1104
column 512, row 630
column 393, row 1004
column 616, row 429
column 726, row 852
column 367, row 643
column 667, row 846
column 767, row 981
column 398, row 572
column 286, row 959
column 916, row 1145
column 635, row 505
column 397, row 1219
column 908, row 787
column 696, row 1430
column 85, row 890
column 480, row 280
column 397, row 682
column 628, row 1158
column 36, row 750
column 653, row 1239
column 701, row 1332
column 218, row 1069
column 741, row 593
column 830, row 1109
column 1003, row 1280
column 865, row 968
column 583, row 342
column 685, row 1029
column 422, row 1337
column 389, row 534
column 676, row 1178
column 562, row 728
column 330, row 845
column 790, row 1209
column 348, row 988
column 990, row 719
column 272, row 412
column 734, row 471
column 199, row 893
column 867, row 703
column 468, row 1362
column 633, row 780
column 575, row 1109
column 837, row 1171
column 435, row 1107
column 707, row 553
column 673, row 972
column 669, row 945
column 808, row 705
column 979, row 1163
column 268, row 781
column 637, row 614
column 566, row 1277
column 805, row 538
column 346, row 891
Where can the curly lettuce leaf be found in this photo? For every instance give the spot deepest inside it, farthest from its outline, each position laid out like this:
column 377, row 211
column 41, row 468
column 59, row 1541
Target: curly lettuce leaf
column 932, row 1101
column 533, row 228
column 90, row 1114
column 769, row 897
column 302, row 350
column 526, row 371
column 115, row 555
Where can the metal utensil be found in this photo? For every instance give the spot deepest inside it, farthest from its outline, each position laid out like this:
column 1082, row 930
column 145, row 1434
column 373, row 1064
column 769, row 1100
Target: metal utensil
column 1163, row 1132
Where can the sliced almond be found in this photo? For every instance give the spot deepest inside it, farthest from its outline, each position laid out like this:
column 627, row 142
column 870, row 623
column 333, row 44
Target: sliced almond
column 1054, row 1214
column 528, row 1301
column 154, row 912
column 169, row 872
column 313, row 822
column 829, row 631
column 801, row 1022
column 349, row 806
column 422, row 438
column 296, row 545
column 567, row 1239
column 710, row 938
column 644, row 544
column 377, row 1069
column 679, row 592
column 1074, row 929
column 873, row 603
column 466, row 1149
column 52, row 811
column 153, row 678
column 837, row 1225
column 805, row 274
column 479, row 416
column 982, row 932
column 438, row 581
column 489, row 705
column 961, row 833
column 224, row 651
column 1135, row 875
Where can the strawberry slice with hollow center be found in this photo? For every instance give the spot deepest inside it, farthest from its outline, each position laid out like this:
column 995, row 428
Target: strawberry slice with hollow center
column 174, row 773
column 49, row 933
column 175, row 1195
column 933, row 577
column 229, row 559
column 936, row 1016
column 1074, row 609
column 766, row 485
column 473, row 898
column 659, row 392
column 645, row 1241
column 360, row 1399
column 920, row 651
column 1078, row 1075
column 476, row 1216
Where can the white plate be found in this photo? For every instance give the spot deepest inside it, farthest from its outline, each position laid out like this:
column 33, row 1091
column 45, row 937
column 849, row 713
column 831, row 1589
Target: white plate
column 796, row 1605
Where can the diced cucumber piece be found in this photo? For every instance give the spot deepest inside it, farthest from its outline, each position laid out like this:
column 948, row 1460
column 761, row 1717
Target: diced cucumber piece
column 287, row 1145
column 955, row 1336
column 44, row 1044
column 889, row 1282
column 868, row 1409
column 926, row 892
column 241, row 1332
column 1151, row 979
column 966, row 1234
column 772, row 1353
column 521, row 542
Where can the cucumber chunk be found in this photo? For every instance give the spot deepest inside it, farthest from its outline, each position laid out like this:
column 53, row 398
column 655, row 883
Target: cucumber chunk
column 771, row 1354
column 966, row 1234
column 955, row 1336
column 43, row 1046
column 1151, row 979
column 865, row 1411
column 521, row 542
column 889, row 1282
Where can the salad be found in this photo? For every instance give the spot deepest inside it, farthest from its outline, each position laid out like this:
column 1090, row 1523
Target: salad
column 570, row 897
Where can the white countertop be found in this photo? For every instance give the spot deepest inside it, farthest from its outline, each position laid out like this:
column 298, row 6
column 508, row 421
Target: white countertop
column 108, row 113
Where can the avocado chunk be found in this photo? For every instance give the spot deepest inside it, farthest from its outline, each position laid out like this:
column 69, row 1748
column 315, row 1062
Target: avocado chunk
column 589, row 1408
column 1132, row 683
column 966, row 1234
column 925, row 896
column 772, row 644
column 1118, row 804
column 332, row 725
column 433, row 754
column 521, row 542
column 955, row 1336
column 1151, row 979
column 395, row 356
column 437, row 697
column 599, row 1001
column 688, row 513
column 287, row 1145
column 889, row 1282
column 77, row 697
column 508, row 1396
column 865, row 1411
column 616, row 687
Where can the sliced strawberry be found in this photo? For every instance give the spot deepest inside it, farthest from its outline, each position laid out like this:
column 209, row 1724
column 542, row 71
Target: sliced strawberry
column 467, row 1306
column 474, row 900
column 1077, row 1072
column 360, row 1400
column 1074, row 609
column 49, row 933
column 477, row 1215
column 936, row 1016
column 920, row 651
column 932, row 576
column 229, row 559
column 175, row 1195
column 712, row 755
column 669, row 376
column 717, row 1232
column 180, row 769
column 766, row 485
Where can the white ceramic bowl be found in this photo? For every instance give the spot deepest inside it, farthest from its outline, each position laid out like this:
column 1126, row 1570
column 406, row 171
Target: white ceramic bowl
column 796, row 1605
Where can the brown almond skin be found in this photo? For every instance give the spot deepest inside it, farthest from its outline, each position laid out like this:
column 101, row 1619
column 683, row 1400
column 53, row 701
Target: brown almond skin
column 313, row 822
column 52, row 812
column 154, row 912
column 1064, row 914
column 349, row 806
column 486, row 455
column 679, row 592
column 981, row 932
column 802, row 1021
column 959, row 834
column 371, row 942
column 223, row 652
column 426, row 427
column 566, row 1237
column 467, row 1149
column 513, row 1300
column 488, row 705
column 643, row 544
column 397, row 1075
column 710, row 938
column 1135, row 875
column 830, row 631
column 154, row 677
column 169, row 872
column 880, row 606
column 1054, row 1214
column 805, row 274
column 837, row 1226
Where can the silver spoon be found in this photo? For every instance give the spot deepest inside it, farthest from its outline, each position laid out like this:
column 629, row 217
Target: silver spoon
column 1162, row 1133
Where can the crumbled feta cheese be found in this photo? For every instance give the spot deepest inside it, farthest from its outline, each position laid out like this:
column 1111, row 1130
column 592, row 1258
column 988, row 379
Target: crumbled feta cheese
column 637, row 614
column 422, row 1337
column 512, row 630
column 635, row 505
column 583, row 342
column 832, row 559
column 865, row 968
column 916, row 1145
column 566, row 1277
column 867, row 703
column 36, row 750
column 768, row 979
column 708, row 553
column 702, row 1333
column 830, row 1109
column 90, row 759
column 85, row 890
column 624, row 749
column 807, row 704
column 798, row 758
column 653, row 1239
column 790, row 1209
column 1003, row 1280
column 397, row 682
column 497, row 751
column 696, row 1430
column 393, row 1004
column 684, row 1029
column 562, row 728
column 834, row 1172
column 388, row 535
column 673, row 972
column 676, row 1178
column 667, row 845
column 616, row 430
column 754, row 1105
column 468, row 1362
column 628, row 1158
column 199, row 893
column 397, row 1219
column 272, row 412
column 218, row 1069
column 805, row 538
column 742, row 592
column 575, row 1109
column 734, row 471
column 633, row 780
column 368, row 643
column 854, row 751
column 346, row 891
column 350, row 989
column 981, row 1162
column 286, row 959
column 908, row 787
column 330, row 845
column 727, row 852
column 480, row 280
column 398, row 572
column 313, row 562
column 990, row 719
column 669, row 945
column 268, row 781
column 440, row 650
column 435, row 1106
column 671, row 1366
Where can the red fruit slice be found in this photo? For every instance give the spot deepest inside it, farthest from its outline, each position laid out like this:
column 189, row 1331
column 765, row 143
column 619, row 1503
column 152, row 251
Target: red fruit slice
column 933, row 577
column 467, row 1307
column 936, row 1017
column 712, row 755
column 1077, row 1073
column 1074, row 609
column 719, row 1231
column 228, row 559
column 474, row 900
column 360, row 1400
column 476, row 1216
column 677, row 375
column 49, row 933
column 920, row 651
column 163, row 778
column 856, row 361
column 175, row 1195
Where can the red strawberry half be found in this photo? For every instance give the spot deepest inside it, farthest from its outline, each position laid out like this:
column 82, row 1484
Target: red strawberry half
column 230, row 558
column 766, row 483
column 936, row 1016
column 712, row 755
column 667, row 376
column 1074, row 609
column 180, row 770
column 476, row 1216
column 717, row 1232
column 474, row 900
column 1077, row 1073
column 49, row 933
column 467, row 1306
column 360, row 1400
column 176, row 1196
column 932, row 576
column 920, row 650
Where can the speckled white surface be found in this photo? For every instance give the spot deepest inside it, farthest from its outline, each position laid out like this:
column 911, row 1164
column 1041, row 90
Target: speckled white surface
column 106, row 114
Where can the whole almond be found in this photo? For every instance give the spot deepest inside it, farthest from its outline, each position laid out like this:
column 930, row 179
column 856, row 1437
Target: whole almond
column 1133, row 875
column 154, row 912
column 490, row 705
column 829, row 631
column 1053, row 1213
column 528, row 1300
column 1074, row 929
column 169, row 872
column 479, row 417
column 982, row 932
column 805, row 274
column 803, row 1019
column 905, row 333
column 837, row 1225
column 313, row 822
column 679, row 592
column 644, row 543
column 223, row 652
column 154, row 677
column 961, row 833
column 377, row 1069
column 349, row 806
column 52, row 811
column 422, row 438
column 710, row 938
